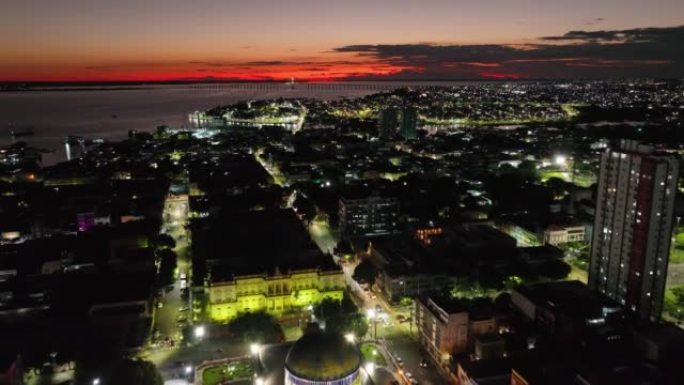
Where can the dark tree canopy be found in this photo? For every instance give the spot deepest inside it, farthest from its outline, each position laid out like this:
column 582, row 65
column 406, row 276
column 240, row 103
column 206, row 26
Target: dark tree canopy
column 167, row 267
column 365, row 272
column 256, row 327
column 137, row 372
column 342, row 316
column 165, row 241
column 554, row 269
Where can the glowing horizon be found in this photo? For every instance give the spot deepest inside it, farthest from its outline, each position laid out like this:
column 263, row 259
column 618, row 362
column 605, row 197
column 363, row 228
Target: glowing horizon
column 171, row 40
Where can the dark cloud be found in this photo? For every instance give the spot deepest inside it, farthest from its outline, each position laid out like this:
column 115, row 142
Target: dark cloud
column 209, row 64
column 642, row 52
column 670, row 35
column 265, row 63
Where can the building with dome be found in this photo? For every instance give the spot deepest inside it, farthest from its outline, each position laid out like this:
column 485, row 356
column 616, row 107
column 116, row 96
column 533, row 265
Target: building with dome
column 323, row 358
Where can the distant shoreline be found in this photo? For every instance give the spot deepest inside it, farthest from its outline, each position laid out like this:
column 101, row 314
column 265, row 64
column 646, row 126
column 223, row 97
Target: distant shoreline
column 200, row 84
column 127, row 84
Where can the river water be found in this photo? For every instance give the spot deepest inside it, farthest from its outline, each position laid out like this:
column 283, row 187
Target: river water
column 110, row 112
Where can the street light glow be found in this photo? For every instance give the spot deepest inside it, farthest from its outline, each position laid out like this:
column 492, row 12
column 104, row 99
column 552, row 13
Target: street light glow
column 96, row 381
column 258, row 381
column 254, row 348
column 370, row 368
column 370, row 313
column 350, row 337
column 188, row 369
column 560, row 160
column 200, row 331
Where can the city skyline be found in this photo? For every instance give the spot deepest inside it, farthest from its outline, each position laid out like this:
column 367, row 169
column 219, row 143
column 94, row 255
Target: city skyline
column 305, row 40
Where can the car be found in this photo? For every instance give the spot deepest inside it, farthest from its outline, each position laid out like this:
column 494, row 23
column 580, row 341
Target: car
column 408, row 375
column 399, row 361
column 423, row 363
column 183, row 308
column 401, row 318
column 413, row 381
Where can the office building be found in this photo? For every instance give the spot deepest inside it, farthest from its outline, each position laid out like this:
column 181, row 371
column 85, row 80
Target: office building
column 633, row 226
column 368, row 216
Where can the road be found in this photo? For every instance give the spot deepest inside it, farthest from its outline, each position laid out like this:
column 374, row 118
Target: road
column 175, row 218
column 322, row 235
column 171, row 362
column 408, row 350
column 166, row 357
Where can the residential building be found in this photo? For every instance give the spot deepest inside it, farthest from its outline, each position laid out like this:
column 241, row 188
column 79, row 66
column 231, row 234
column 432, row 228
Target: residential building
column 409, row 123
column 569, row 311
column 388, row 122
column 442, row 327
column 633, row 226
column 448, row 327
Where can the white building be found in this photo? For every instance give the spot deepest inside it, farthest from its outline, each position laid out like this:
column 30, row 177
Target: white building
column 556, row 235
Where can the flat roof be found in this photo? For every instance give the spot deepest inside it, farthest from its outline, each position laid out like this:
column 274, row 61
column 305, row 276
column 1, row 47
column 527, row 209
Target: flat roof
column 256, row 242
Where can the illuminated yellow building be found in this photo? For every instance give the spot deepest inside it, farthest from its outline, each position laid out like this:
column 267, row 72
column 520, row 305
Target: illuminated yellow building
column 275, row 294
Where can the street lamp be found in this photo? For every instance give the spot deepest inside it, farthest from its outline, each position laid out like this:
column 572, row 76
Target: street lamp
column 560, row 160
column 254, row 349
column 373, row 316
column 96, row 381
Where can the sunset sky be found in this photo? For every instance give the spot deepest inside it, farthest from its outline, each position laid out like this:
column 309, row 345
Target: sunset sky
column 100, row 40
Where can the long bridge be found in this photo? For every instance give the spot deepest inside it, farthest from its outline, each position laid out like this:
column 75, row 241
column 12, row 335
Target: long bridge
column 313, row 86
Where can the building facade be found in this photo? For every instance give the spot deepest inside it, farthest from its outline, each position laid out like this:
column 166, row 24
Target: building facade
column 276, row 295
column 633, row 226
column 388, row 122
column 402, row 121
column 442, row 331
column 394, row 286
column 558, row 235
column 409, row 123
column 369, row 216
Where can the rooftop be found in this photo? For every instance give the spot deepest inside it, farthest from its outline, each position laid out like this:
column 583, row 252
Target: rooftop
column 323, row 356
